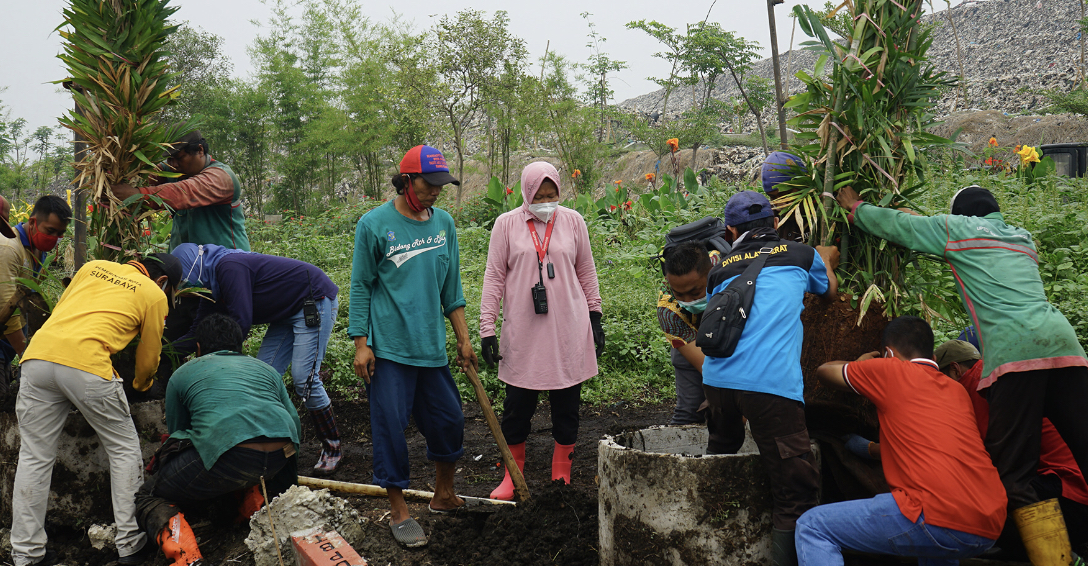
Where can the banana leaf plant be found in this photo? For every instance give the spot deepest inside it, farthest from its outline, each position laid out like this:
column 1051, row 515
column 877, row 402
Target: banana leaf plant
column 118, row 75
column 863, row 121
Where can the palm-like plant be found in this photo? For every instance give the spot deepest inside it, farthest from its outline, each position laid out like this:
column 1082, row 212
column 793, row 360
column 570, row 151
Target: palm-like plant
column 865, row 128
column 119, row 78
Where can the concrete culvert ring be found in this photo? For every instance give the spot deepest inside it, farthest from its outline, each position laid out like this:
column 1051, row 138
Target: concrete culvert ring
column 662, row 500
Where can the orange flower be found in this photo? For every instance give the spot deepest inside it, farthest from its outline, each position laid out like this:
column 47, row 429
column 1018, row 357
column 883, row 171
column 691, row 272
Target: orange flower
column 627, row 205
column 650, row 177
column 674, row 144
column 147, row 232
column 509, row 190
column 613, row 207
column 90, row 208
column 577, row 173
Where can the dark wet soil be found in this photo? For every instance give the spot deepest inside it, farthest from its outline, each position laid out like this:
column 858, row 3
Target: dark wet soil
column 558, row 525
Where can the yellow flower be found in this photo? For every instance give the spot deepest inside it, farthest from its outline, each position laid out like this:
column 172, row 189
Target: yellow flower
column 1028, row 155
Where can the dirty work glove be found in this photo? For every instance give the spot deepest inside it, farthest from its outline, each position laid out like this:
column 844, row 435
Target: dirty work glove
column 489, row 350
column 598, row 331
column 858, row 445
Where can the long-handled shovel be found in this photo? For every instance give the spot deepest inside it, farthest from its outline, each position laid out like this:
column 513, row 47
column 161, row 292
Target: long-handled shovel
column 521, row 491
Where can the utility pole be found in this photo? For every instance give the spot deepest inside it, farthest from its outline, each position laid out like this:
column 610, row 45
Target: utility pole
column 779, row 96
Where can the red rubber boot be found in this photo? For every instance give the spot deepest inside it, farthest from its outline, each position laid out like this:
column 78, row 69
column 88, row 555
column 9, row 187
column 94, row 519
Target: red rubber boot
column 505, row 491
column 561, row 459
column 178, row 542
column 251, row 502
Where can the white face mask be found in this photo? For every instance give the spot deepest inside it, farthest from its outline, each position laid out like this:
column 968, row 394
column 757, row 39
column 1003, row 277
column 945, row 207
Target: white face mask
column 543, row 210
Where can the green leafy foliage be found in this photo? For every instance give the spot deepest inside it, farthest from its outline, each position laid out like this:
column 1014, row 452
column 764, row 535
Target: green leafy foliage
column 502, row 198
column 865, row 126
column 114, row 54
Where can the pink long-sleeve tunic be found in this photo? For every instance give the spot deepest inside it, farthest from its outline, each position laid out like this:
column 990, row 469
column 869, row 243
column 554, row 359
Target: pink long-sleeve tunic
column 541, row 351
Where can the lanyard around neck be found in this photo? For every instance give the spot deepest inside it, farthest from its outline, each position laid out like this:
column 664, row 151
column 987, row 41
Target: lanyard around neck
column 541, row 249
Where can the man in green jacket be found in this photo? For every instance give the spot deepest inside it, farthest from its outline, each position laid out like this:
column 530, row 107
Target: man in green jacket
column 1033, row 364
column 231, row 425
column 206, row 199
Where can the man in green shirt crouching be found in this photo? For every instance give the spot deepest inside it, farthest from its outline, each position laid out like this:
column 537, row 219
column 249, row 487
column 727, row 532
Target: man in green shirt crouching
column 231, row 423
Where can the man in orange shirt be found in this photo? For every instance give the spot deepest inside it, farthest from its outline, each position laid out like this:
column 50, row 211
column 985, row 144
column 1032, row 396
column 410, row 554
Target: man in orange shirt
column 947, row 500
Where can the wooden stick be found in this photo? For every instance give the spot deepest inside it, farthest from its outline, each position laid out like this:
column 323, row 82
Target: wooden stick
column 521, row 490
column 375, row 491
column 268, row 508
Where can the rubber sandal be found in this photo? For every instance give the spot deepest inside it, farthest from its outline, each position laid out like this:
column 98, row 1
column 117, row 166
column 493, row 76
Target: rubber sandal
column 409, row 533
column 442, row 511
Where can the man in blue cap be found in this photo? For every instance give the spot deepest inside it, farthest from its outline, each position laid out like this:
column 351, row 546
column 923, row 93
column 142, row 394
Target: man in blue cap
column 762, row 380
column 779, row 167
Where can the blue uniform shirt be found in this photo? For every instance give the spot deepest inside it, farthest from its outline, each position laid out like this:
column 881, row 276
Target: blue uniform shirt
column 768, row 357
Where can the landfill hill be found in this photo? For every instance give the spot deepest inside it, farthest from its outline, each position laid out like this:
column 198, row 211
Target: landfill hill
column 1012, row 51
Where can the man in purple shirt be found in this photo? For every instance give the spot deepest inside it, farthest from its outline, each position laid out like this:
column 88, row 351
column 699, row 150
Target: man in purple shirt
column 298, row 303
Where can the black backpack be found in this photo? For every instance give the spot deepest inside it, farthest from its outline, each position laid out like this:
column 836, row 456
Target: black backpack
column 709, row 232
column 727, row 310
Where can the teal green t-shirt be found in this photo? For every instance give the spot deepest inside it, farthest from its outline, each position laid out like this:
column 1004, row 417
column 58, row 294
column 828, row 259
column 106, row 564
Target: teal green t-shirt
column 222, row 399
column 405, row 277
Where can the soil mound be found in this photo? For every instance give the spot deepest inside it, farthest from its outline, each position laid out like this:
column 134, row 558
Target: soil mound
column 557, row 526
column 832, row 333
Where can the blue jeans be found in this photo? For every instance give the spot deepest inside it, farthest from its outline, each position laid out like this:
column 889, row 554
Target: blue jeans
column 291, row 342
column 876, row 525
column 429, row 395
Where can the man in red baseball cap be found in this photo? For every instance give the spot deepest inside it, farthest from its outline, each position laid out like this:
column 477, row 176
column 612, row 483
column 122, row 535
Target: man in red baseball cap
column 429, row 163
column 405, row 280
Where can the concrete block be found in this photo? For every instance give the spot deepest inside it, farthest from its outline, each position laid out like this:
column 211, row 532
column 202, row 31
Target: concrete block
column 316, row 547
column 301, row 509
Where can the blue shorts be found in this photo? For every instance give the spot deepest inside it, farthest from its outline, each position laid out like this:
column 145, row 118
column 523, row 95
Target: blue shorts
column 430, row 396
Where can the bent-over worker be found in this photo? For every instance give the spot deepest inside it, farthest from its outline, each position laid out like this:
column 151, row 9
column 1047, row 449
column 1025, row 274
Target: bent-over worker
column 67, row 365
column 946, row 500
column 231, row 423
column 297, row 300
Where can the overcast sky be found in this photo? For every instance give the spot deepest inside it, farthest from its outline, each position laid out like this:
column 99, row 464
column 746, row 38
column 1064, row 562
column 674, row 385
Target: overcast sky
column 31, row 63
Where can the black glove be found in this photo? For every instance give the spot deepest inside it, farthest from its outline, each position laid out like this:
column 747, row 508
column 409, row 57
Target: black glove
column 489, row 350
column 598, row 331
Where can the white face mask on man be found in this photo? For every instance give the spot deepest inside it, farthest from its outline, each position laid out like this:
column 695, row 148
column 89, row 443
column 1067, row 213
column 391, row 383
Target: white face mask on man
column 543, row 210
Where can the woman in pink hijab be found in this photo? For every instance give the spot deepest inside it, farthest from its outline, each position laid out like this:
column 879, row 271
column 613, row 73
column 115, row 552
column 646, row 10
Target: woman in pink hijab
column 540, row 268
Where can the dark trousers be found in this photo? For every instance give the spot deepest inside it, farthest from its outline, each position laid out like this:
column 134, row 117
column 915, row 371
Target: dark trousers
column 520, row 406
column 778, row 427
column 184, row 481
column 1018, row 403
column 689, row 392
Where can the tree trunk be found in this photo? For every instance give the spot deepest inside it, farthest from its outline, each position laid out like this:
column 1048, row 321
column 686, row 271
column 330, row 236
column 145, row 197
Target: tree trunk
column 752, row 108
column 460, row 160
column 959, row 52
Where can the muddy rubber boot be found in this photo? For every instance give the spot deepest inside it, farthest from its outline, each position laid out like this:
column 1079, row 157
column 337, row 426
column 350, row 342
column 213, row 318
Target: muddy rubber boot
column 178, row 542
column 561, row 459
column 325, row 423
column 251, row 502
column 1042, row 528
column 505, row 491
column 783, row 549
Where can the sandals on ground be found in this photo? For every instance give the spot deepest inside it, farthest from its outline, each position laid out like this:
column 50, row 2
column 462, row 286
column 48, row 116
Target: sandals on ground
column 409, row 533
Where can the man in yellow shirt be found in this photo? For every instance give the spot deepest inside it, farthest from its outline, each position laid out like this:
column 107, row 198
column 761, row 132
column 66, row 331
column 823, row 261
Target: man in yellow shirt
column 66, row 365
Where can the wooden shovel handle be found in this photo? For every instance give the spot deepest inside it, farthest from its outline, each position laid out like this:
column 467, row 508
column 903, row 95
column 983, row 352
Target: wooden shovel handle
column 521, row 491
